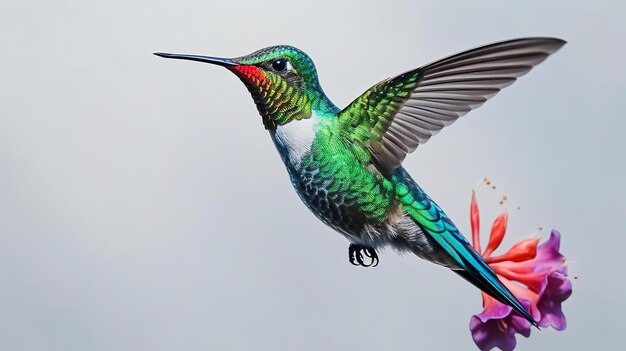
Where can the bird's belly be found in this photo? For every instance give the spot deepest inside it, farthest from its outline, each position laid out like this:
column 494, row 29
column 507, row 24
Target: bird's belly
column 335, row 208
column 356, row 205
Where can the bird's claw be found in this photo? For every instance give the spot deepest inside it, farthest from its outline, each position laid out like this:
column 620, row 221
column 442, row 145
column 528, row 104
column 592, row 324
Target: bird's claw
column 355, row 256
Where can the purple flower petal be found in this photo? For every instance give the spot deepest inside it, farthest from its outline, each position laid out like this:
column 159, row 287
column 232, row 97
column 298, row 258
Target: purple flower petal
column 548, row 255
column 490, row 334
column 559, row 288
column 494, row 310
column 497, row 325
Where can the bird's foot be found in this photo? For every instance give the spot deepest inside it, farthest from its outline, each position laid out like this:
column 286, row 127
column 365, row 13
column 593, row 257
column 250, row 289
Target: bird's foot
column 356, row 252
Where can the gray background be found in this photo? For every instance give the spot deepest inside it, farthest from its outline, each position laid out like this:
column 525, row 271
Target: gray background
column 143, row 206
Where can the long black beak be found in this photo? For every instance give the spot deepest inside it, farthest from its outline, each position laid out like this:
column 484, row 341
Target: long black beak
column 207, row 59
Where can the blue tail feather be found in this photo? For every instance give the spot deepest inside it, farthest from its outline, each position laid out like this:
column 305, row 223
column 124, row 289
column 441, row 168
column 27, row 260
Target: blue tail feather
column 477, row 271
column 484, row 278
column 471, row 265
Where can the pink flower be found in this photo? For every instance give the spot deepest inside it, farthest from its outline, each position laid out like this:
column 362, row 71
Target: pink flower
column 536, row 275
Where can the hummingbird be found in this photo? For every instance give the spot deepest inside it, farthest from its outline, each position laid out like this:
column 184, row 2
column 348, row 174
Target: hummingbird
column 346, row 164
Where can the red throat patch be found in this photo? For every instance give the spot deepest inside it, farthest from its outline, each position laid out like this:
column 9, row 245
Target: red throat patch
column 252, row 74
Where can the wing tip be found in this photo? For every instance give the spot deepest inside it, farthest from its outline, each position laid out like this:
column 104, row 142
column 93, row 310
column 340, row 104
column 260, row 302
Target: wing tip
column 552, row 44
column 556, row 44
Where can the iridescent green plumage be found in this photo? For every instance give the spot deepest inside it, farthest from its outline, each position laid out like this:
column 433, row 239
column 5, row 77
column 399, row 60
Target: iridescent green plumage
column 276, row 96
column 346, row 164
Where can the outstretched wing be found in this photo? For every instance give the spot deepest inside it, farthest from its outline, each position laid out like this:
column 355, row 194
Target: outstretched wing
column 396, row 115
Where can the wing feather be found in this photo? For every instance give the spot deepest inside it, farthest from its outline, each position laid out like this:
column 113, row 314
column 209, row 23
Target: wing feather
column 398, row 114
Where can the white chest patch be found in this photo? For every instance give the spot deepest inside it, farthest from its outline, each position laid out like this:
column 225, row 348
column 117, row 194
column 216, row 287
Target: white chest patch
column 295, row 138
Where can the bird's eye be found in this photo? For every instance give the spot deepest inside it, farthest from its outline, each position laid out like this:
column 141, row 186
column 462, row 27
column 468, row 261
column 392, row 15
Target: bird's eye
column 279, row 65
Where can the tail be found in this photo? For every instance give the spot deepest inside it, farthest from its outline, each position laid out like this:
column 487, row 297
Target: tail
column 471, row 266
column 475, row 270
column 466, row 262
column 484, row 278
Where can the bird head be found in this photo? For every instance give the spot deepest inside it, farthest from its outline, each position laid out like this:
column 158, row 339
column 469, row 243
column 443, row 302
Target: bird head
column 281, row 79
